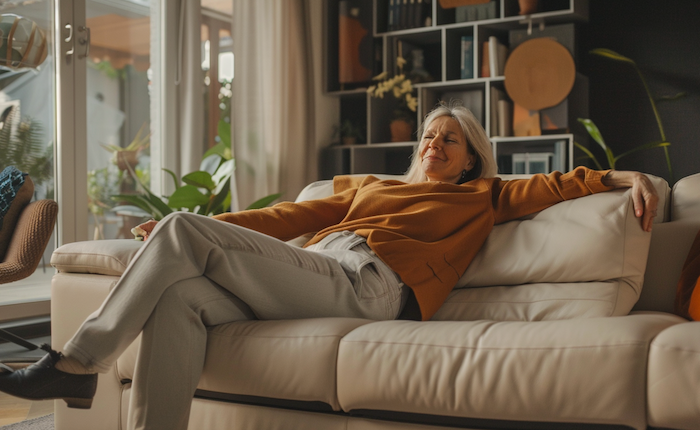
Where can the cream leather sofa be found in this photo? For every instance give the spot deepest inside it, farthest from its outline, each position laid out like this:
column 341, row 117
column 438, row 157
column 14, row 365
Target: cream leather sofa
column 549, row 328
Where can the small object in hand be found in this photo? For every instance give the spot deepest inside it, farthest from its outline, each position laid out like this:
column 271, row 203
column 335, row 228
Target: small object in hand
column 139, row 233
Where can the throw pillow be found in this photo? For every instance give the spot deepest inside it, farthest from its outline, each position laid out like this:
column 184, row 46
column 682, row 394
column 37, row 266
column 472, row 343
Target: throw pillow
column 12, row 206
column 688, row 291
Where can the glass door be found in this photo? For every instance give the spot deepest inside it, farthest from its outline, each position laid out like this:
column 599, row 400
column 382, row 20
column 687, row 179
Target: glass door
column 118, row 112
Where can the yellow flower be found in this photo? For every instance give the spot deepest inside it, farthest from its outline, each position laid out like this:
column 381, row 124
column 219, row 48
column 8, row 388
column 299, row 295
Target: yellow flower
column 399, row 86
column 411, row 102
column 406, row 87
column 400, row 62
column 380, row 76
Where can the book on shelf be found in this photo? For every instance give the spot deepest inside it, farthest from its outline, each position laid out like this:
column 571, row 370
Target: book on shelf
column 496, row 95
column 476, row 12
column 426, row 13
column 467, row 57
column 394, row 14
column 505, row 118
column 355, row 46
column 412, row 13
column 390, row 25
column 485, row 71
column 404, row 14
column 498, row 53
column 493, row 58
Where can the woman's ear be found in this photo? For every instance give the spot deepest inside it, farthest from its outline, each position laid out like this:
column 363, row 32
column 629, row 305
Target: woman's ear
column 471, row 161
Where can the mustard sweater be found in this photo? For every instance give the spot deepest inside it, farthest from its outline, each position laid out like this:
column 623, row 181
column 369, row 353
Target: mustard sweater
column 429, row 232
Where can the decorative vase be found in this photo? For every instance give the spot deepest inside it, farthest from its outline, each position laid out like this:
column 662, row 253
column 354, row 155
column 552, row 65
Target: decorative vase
column 401, row 130
column 527, row 7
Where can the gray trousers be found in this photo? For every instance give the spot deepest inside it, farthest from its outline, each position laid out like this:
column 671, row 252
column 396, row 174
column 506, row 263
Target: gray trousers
column 195, row 272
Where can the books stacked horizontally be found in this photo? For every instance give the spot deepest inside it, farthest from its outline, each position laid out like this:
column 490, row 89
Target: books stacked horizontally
column 404, row 14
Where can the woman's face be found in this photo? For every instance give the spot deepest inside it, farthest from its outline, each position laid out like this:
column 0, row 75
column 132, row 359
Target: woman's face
column 444, row 151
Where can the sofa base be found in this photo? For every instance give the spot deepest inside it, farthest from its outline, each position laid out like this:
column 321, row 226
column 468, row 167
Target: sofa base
column 220, row 414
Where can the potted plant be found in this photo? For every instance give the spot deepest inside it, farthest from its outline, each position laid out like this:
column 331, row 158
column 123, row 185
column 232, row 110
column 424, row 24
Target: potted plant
column 205, row 192
column 401, row 88
column 349, row 133
column 597, row 136
column 127, row 157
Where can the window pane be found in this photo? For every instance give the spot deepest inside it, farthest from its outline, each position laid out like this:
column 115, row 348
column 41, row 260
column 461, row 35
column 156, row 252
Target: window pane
column 27, row 131
column 217, row 64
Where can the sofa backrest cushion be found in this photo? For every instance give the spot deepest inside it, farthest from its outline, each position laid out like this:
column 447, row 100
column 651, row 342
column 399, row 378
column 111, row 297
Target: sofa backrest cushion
column 670, row 244
column 685, row 203
column 580, row 258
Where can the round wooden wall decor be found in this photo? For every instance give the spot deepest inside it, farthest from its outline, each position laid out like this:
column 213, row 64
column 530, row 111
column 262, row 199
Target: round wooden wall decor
column 539, row 74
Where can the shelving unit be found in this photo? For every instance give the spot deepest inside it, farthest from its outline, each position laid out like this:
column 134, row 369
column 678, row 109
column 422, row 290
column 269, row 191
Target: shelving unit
column 440, row 43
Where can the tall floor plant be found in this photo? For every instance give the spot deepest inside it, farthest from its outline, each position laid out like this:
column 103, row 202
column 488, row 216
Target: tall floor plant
column 594, row 132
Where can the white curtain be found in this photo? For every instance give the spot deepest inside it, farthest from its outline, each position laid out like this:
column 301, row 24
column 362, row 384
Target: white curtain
column 273, row 100
column 177, row 106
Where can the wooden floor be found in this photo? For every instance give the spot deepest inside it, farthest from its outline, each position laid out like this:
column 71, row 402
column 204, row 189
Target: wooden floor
column 14, row 410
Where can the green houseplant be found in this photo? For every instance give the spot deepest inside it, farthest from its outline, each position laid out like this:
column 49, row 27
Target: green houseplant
column 349, row 132
column 205, row 192
column 597, row 136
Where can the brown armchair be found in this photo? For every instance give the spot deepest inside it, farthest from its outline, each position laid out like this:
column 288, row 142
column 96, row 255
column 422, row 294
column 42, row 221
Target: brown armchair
column 25, row 232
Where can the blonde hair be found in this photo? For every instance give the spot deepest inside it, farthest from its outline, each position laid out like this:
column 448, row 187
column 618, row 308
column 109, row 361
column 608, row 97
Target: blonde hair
column 477, row 141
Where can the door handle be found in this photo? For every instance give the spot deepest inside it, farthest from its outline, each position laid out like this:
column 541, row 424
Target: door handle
column 71, row 51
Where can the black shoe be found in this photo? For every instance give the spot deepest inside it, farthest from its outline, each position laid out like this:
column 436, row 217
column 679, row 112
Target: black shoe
column 42, row 381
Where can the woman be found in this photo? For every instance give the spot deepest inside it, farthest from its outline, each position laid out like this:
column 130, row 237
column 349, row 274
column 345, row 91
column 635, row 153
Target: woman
column 380, row 244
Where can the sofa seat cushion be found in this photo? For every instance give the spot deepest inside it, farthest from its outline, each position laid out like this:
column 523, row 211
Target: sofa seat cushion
column 287, row 359
column 100, row 257
column 674, row 377
column 576, row 371
column 290, row 360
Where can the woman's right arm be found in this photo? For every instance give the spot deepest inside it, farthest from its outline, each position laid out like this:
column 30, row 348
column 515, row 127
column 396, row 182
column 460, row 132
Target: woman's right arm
column 284, row 221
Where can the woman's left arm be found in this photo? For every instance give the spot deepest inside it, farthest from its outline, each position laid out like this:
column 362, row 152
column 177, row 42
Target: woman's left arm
column 644, row 196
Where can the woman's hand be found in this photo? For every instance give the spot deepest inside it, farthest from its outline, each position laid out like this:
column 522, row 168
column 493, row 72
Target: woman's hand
column 644, row 195
column 142, row 231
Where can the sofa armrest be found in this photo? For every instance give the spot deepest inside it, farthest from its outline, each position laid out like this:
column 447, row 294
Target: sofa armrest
column 673, row 377
column 100, row 257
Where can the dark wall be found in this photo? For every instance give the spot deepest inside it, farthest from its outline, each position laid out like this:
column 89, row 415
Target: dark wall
column 663, row 38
